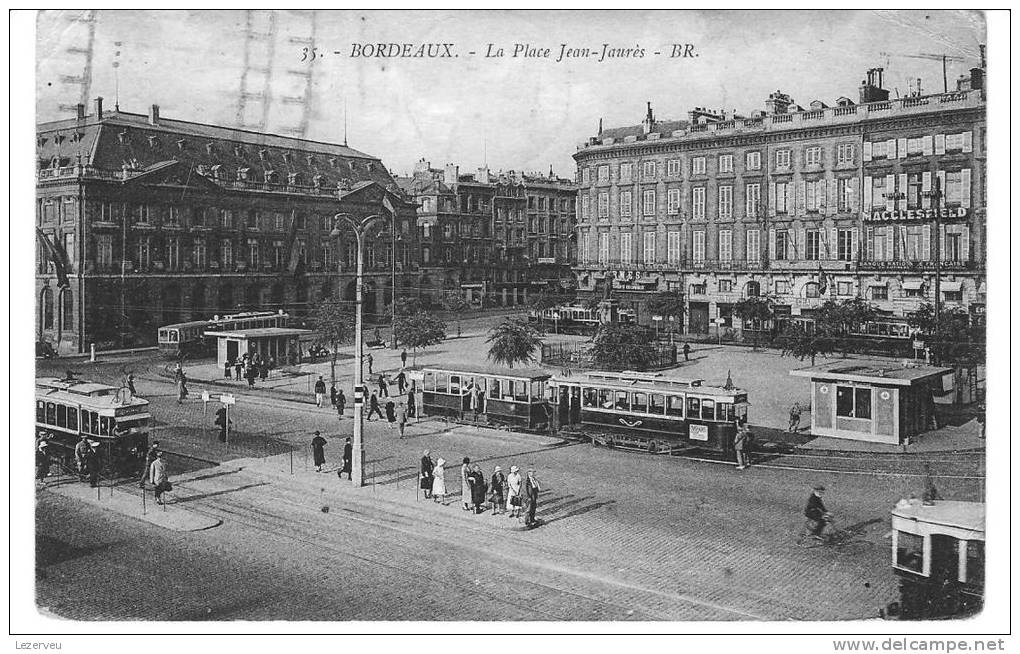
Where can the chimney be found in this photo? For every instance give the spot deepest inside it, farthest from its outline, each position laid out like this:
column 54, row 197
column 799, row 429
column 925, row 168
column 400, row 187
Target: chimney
column 871, row 88
column 702, row 115
column 99, row 108
column 451, row 174
column 649, row 121
column 154, row 114
column 778, row 103
column 80, row 108
column 977, row 78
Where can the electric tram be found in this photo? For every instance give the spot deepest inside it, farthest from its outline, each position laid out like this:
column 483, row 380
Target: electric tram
column 188, row 338
column 513, row 398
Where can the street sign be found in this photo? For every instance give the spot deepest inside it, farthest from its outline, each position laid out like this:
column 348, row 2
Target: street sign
column 227, row 398
column 656, row 318
column 719, row 321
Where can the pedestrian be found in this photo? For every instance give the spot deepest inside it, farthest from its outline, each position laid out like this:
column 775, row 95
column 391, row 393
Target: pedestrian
column 795, row 417
column 401, row 382
column 42, row 460
column 373, row 406
column 238, row 367
column 159, row 476
column 332, row 394
column 320, row 392
column 513, row 493
column 391, row 414
column 131, row 384
column 383, row 390
column 368, row 358
column 531, row 490
column 81, row 454
column 348, row 460
column 150, row 456
column 401, row 419
column 318, row 452
column 341, row 404
column 478, row 487
column 412, row 411
column 403, row 358
column 222, row 422
column 182, row 387
column 498, row 489
column 425, row 476
column 177, row 371
column 816, row 514
column 252, row 374
column 439, row 482
column 263, row 370
column 465, row 484
column 740, row 445
column 93, row 463
column 226, row 369
column 687, row 351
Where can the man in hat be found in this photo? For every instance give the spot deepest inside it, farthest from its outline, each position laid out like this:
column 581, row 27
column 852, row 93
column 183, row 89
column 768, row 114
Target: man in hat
column 318, row 451
column 816, row 513
column 531, row 490
column 320, row 392
column 426, row 478
column 42, row 460
column 81, row 455
column 93, row 463
column 150, row 456
column 348, row 460
column 159, row 476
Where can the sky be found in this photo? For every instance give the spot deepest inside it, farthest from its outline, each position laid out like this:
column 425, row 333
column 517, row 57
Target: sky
column 508, row 112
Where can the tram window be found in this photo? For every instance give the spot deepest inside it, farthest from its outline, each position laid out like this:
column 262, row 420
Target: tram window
column 520, row 390
column 442, row 383
column 640, row 403
column 455, row 384
column 853, row 402
column 494, row 389
column 724, row 412
column 975, row 562
column 104, row 426
column 622, row 400
column 910, row 551
column 694, row 407
column 93, row 422
column 590, row 397
column 428, row 382
column 605, row 399
column 72, row 418
column 656, row 404
column 162, row 336
column 51, row 413
column 675, row 406
column 708, row 409
column 537, row 390
column 40, row 411
column 61, row 416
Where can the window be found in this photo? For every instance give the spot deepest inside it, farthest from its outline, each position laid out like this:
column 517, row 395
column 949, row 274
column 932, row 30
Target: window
column 142, row 215
column 975, row 558
column 648, row 202
column 648, row 170
column 675, row 406
column 584, row 207
column 782, row 197
column 699, row 289
column 673, row 167
column 752, row 242
column 913, row 243
column 879, row 292
column 626, row 250
column 752, row 289
column 814, row 195
column 586, row 176
column 226, row 218
column 603, row 176
column 951, row 247
column 173, row 216
column 952, row 296
column 844, row 288
column 694, row 407
column 752, row 161
column 725, row 285
column 845, row 193
column 783, row 158
column 955, row 141
column 253, row 252
column 879, row 149
column 813, row 156
column 604, row 247
column 725, row 163
column 812, row 244
column 845, row 153
column 104, row 250
column 845, row 244
column 853, row 402
column 622, row 401
column 656, row 404
column 909, row 551
column 811, row 290
column 280, row 220
column 725, row 245
column 725, row 202
column 957, row 188
column 198, row 252
column 673, row 247
column 278, row 254
column 915, row 146
column 673, row 201
column 752, row 200
column 626, row 172
column 782, row 287
column 143, row 251
column 603, row 205
column 173, row 253
column 626, row 203
column 782, row 252
column 639, row 403
column 698, row 166
column 698, row 241
column 649, row 252
column 698, row 202
column 226, row 253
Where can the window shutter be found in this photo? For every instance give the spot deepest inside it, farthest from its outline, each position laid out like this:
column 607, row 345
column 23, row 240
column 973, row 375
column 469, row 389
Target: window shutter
column 853, row 244
column 965, row 183
column 801, row 194
column 890, row 149
column 901, row 148
column 925, row 242
column 772, row 243
column 772, row 198
column 901, row 186
column 867, row 150
column 925, row 187
column 926, row 145
column 890, row 188
column 831, row 203
column 965, row 243
column 889, row 243
column 851, row 192
column 801, row 240
column 833, row 243
column 941, row 244
column 869, row 243
column 940, row 144
column 968, row 141
column 868, row 188
column 941, row 175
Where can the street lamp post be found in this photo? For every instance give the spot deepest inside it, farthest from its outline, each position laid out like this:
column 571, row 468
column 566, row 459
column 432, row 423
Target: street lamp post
column 936, row 201
column 357, row 448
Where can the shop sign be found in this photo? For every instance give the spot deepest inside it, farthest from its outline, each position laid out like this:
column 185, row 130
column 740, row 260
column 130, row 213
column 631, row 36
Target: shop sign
column 915, row 215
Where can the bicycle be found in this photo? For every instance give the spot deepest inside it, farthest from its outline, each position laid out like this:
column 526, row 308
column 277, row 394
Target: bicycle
column 842, row 540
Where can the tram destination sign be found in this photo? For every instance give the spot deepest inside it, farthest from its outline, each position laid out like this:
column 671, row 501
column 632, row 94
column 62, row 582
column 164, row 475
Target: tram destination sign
column 915, row 215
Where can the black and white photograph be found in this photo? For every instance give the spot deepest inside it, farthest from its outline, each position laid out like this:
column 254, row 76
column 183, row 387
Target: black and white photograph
column 512, row 321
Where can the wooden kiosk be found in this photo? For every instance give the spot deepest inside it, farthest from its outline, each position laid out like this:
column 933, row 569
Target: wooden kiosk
column 281, row 343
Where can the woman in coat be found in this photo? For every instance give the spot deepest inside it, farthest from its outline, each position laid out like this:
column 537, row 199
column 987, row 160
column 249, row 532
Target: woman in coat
column 439, row 481
column 465, row 485
column 513, row 494
column 477, row 479
column 318, row 452
column 426, row 474
column 498, row 491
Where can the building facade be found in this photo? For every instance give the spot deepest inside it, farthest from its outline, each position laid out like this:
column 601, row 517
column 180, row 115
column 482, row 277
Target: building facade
column 494, row 238
column 802, row 205
column 143, row 221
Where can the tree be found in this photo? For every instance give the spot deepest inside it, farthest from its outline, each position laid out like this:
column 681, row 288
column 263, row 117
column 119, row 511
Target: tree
column 951, row 340
column 755, row 311
column 407, row 306
column 420, row 331
column 668, row 304
column 455, row 303
column 333, row 321
column 801, row 342
column 837, row 320
column 513, row 342
column 541, row 301
column 621, row 346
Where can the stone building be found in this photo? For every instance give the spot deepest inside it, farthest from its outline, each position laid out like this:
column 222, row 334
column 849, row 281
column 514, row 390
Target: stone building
column 803, row 205
column 143, row 221
column 495, row 238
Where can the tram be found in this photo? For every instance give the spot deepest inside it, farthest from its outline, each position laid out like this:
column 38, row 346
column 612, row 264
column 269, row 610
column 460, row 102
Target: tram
column 650, row 412
column 576, row 319
column 884, row 335
column 513, row 398
column 67, row 409
column 188, row 338
column 938, row 552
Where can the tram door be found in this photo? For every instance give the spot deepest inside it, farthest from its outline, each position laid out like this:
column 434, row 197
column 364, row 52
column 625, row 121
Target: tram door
column 569, row 405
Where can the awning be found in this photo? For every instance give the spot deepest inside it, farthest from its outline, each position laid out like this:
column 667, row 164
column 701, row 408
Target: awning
column 952, row 286
column 913, row 285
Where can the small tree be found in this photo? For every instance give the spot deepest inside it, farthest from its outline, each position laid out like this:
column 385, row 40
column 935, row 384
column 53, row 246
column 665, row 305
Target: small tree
column 951, row 340
column 455, row 303
column 618, row 346
column 800, row 342
column 668, row 304
column 420, row 330
column 756, row 311
column 542, row 301
column 512, row 342
column 838, row 320
column 334, row 323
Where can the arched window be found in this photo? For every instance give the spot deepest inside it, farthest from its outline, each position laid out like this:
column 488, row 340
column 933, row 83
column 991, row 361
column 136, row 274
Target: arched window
column 46, row 308
column 66, row 310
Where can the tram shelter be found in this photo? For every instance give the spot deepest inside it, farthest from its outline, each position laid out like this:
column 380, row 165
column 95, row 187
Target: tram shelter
column 877, row 401
column 281, row 343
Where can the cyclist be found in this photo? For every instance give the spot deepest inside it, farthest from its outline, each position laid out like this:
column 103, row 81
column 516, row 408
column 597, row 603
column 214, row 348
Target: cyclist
column 816, row 514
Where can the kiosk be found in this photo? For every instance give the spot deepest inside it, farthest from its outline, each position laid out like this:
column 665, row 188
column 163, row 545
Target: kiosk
column 281, row 343
column 879, row 401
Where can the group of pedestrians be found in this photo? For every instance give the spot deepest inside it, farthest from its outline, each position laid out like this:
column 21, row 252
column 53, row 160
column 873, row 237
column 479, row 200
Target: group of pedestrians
column 319, row 455
column 249, row 367
column 511, row 494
